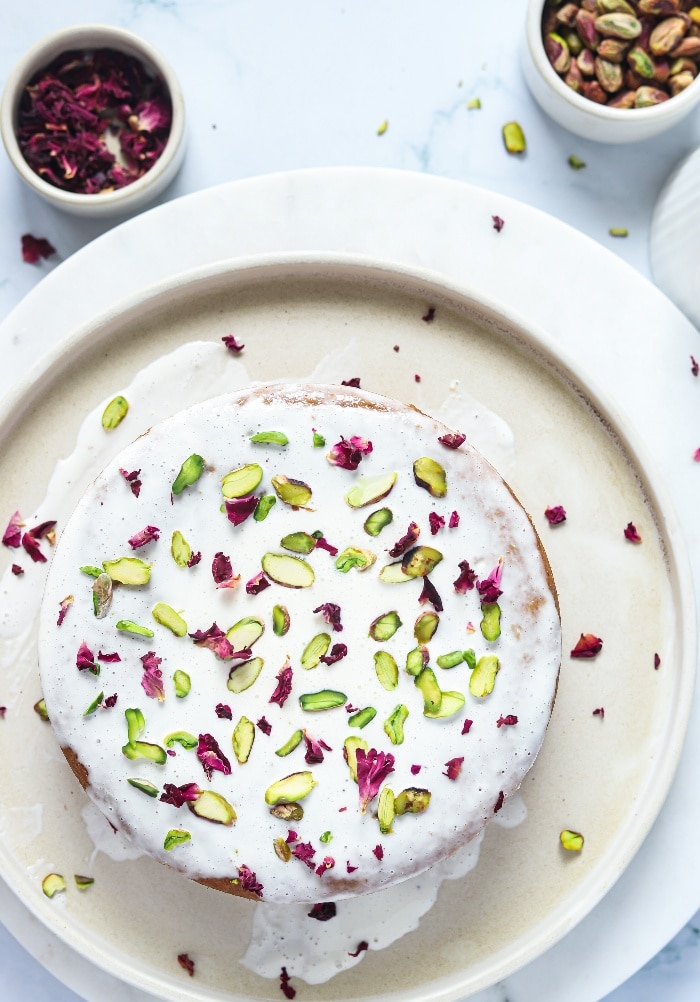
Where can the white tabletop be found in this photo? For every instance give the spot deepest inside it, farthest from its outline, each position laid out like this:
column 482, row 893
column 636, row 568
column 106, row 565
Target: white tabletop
column 278, row 86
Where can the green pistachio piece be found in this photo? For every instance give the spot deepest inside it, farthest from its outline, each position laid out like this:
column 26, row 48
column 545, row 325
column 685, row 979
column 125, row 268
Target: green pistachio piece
column 353, row 556
column 290, row 789
column 190, row 472
column 362, row 717
column 325, row 838
column 573, row 841
column 470, row 658
column 412, row 800
column 430, row 690
column 292, row 572
column 295, row 493
column 384, row 627
column 451, row 703
column 93, row 572
column 490, row 620
column 183, row 738
column 243, row 738
column 483, row 678
column 394, row 573
column 213, row 807
column 416, row 661
column 298, row 542
column 420, row 561
column 367, row 490
column 175, row 837
column 474, row 104
column 315, row 650
column 326, row 699
column 288, row 812
column 378, row 520
column 114, row 413
column 576, row 163
column 182, row 683
column 270, row 438
column 425, row 626
column 101, row 595
column 144, row 786
column 513, row 137
column 144, row 749
column 318, row 441
column 350, row 746
column 385, row 810
column 126, row 626
column 450, row 660
column 93, row 705
column 289, row 746
column 263, row 507
column 166, row 616
column 393, row 725
column 82, row 882
column 242, row 481
column 40, row 709
column 387, row 670
column 135, row 724
column 430, row 475
column 180, row 549
column 53, row 883
column 242, row 676
column 282, row 850
column 247, row 631
column 280, row 620
column 128, row 570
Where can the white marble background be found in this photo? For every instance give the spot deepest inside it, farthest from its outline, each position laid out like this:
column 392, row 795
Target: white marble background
column 284, row 84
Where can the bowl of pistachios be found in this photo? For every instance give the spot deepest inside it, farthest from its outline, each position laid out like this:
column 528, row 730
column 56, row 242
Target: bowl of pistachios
column 616, row 71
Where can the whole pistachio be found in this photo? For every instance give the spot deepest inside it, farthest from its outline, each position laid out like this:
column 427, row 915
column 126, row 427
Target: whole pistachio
column 648, row 96
column 680, row 81
column 566, row 14
column 615, row 6
column 641, row 63
column 586, row 63
column 682, row 66
column 594, row 92
column 585, row 26
column 608, row 75
column 667, row 35
column 613, row 49
column 689, row 46
column 658, row 6
column 573, row 41
column 557, row 52
column 618, row 26
column 624, row 99
column 574, row 78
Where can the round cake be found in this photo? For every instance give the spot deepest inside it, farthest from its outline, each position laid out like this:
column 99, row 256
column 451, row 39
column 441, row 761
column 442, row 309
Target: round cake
column 299, row 642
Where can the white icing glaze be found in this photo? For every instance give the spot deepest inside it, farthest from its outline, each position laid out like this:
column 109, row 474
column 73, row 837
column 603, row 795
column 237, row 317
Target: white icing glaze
column 495, row 758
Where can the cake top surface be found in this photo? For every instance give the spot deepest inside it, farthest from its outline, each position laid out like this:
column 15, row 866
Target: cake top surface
column 300, row 637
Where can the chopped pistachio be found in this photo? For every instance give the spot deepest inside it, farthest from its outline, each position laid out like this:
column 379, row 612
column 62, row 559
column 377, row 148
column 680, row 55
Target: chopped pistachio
column 325, row 838
column 183, row 738
column 263, row 507
column 126, row 626
column 82, row 882
column 182, row 683
column 166, row 616
column 180, row 549
column 353, row 556
column 412, row 800
column 40, row 709
column 415, row 661
column 101, row 595
column 288, row 812
column 394, row 573
column 93, row 572
column 270, row 438
column 290, row 789
column 350, row 746
column 243, row 738
column 128, row 570
column 430, row 475
column 298, row 542
column 314, row 650
column 362, row 717
column 474, row 104
column 318, row 441
column 114, row 413
column 213, row 807
column 282, row 849
column 425, row 626
column 145, row 749
column 483, row 678
column 242, row 481
column 378, row 520
column 426, row 682
column 514, row 138
column 572, row 841
column 367, row 490
column 242, row 676
column 470, row 658
column 385, row 810
column 53, row 883
column 135, row 723
column 450, row 660
column 575, row 162
column 382, row 127
column 93, row 705
column 451, row 703
column 289, row 746
column 618, row 231
column 387, row 670
column 144, row 786
column 247, row 631
column 490, row 620
column 190, row 472
column 280, row 620
column 384, row 627
column 175, row 837
column 393, row 725
column 295, row 493
column 420, row 561
column 292, row 572
column 326, row 699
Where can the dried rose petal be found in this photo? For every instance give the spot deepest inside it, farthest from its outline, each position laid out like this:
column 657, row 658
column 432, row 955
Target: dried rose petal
column 108, row 658
column 324, row 911
column 453, row 767
column 355, row 381
column 694, row 367
column 17, row 570
column 150, row 534
column 507, row 721
column 430, row 594
column 186, row 963
column 417, row 378
column 396, row 347
column 489, row 589
column 327, row 864
column 30, row 540
column 378, row 852
column 232, row 345
column 215, row 640
column 64, row 606
column 364, row 945
column 179, row 795
column 349, row 452
column 323, row 544
column 436, row 521
column 336, row 653
column 3, row 711
column 498, row 223
column 429, row 316
column 12, row 535
column 305, row 852
column 211, row 756
column 406, row 541
column 696, row 455
column 415, row 769
column 314, row 749
column 452, row 440
column 587, row 646
column 110, row 701
column 34, row 248
column 223, row 711
column 85, row 658
column 239, row 509
column 257, row 584
column 132, row 480
column 349, row 867
column 372, row 769
column 248, row 881
column 555, row 515
column 466, row 580
column 194, row 559
column 222, row 572
column 599, row 712
column 467, row 726
column 499, row 802
column 657, row 661
column 454, row 520
column 631, row 533
column 285, row 987
column 264, row 725
column 284, row 685
column 331, row 614
column 152, row 680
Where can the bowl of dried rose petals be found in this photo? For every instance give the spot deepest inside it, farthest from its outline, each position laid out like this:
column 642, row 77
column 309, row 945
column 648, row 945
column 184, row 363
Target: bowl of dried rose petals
column 617, row 71
column 92, row 118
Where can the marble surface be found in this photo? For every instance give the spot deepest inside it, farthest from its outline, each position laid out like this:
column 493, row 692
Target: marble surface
column 282, row 86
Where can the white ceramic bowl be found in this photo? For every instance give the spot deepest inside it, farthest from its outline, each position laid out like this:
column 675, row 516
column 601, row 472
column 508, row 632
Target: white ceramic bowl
column 133, row 196
column 584, row 117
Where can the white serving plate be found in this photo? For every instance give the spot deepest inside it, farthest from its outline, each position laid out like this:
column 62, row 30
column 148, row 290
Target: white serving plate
column 453, row 213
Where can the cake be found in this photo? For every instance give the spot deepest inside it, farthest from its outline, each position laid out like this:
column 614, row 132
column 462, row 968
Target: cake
column 299, row 642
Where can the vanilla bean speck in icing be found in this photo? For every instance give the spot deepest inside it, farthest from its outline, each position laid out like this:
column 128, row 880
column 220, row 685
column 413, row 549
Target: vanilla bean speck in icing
column 496, row 750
